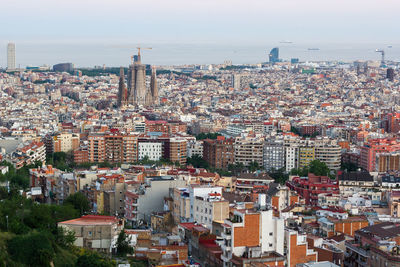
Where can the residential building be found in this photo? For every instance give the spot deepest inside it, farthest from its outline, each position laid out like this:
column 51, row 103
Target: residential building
column 210, row 208
column 252, row 235
column 274, row 155
column 310, row 187
column 95, row 232
column 219, row 153
column 297, row 249
column 248, row 149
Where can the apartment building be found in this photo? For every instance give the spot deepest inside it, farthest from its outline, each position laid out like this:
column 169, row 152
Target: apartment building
column 194, row 148
column 219, row 153
column 149, row 198
column 210, row 208
column 112, row 147
column 328, row 151
column 95, row 232
column 306, row 155
column 249, row 148
column 181, row 205
column 274, row 155
column 66, row 142
column 310, row 187
column 202, row 191
column 151, row 150
column 369, row 151
column 297, row 250
column 177, row 150
column 253, row 235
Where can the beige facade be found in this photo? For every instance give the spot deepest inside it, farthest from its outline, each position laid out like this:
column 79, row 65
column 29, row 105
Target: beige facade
column 95, row 232
column 181, row 205
column 66, row 142
column 249, row 149
column 209, row 209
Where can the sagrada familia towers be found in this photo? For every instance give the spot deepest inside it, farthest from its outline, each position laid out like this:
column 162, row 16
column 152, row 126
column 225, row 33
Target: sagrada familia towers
column 136, row 92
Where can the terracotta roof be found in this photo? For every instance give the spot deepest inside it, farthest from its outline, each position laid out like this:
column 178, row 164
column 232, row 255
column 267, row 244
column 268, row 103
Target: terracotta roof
column 92, row 220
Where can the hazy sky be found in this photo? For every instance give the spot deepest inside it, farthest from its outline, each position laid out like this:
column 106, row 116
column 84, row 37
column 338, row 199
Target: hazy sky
column 188, row 21
column 126, row 23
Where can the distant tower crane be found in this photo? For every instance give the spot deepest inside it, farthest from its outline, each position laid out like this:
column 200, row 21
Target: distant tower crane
column 383, row 56
column 139, row 56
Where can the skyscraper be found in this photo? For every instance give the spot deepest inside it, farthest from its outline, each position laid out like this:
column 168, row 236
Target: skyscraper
column 390, row 74
column 236, row 82
column 274, row 55
column 11, row 65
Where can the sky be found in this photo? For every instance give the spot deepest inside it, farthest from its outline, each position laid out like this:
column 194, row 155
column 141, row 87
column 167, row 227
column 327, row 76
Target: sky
column 240, row 22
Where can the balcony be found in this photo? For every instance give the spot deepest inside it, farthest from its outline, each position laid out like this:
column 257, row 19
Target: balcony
column 223, row 258
column 225, row 247
column 226, row 236
column 357, row 249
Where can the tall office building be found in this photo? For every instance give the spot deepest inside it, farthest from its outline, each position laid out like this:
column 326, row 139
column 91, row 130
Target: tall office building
column 274, row 55
column 11, row 65
column 390, row 74
column 236, row 82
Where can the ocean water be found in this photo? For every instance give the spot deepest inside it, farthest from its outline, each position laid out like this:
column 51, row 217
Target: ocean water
column 118, row 54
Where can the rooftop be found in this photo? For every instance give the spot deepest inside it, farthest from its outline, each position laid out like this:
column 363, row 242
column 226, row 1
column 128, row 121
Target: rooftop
column 92, row 220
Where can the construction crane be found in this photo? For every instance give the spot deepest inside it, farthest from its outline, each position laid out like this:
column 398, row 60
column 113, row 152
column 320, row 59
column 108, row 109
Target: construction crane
column 139, row 49
column 383, row 55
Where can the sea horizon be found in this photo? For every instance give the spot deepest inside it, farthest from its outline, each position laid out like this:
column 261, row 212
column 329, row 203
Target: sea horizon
column 89, row 54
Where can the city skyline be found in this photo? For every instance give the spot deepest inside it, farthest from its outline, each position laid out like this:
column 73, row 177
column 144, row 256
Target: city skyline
column 95, row 54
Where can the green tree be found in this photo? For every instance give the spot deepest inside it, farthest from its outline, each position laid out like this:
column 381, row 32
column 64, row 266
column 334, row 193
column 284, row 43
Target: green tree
column 236, row 168
column 33, row 249
column 123, row 246
column 197, row 162
column 253, row 166
column 93, row 259
column 349, row 166
column 318, row 168
column 202, row 136
column 79, row 201
column 279, row 175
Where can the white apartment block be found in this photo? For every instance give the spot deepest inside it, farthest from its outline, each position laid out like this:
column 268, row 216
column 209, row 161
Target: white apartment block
column 210, row 208
column 152, row 150
column 202, row 191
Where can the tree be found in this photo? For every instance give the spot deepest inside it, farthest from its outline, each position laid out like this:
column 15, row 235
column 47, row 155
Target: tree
column 65, row 238
column 93, row 259
column 33, row 249
column 279, row 175
column 79, row 201
column 123, row 246
column 202, row 136
column 253, row 166
column 197, row 162
column 318, row 168
column 349, row 166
